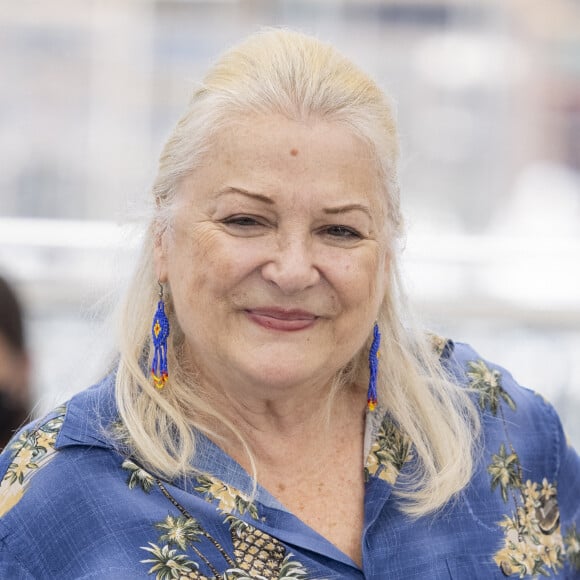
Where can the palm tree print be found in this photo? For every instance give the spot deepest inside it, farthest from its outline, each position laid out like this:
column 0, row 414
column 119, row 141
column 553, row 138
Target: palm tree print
column 292, row 570
column 388, row 453
column 533, row 543
column 438, row 343
column 257, row 555
column 505, row 471
column 183, row 532
column 530, row 548
column 169, row 564
column 572, row 543
column 28, row 457
column 487, row 383
column 31, row 450
column 202, row 532
column 229, row 499
column 180, row 531
column 138, row 476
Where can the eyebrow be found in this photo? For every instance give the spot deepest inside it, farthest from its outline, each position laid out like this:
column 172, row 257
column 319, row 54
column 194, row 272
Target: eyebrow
column 245, row 192
column 265, row 199
column 347, row 208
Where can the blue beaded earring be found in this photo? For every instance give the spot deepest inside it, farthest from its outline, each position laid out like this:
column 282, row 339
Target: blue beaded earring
column 373, row 369
column 159, row 334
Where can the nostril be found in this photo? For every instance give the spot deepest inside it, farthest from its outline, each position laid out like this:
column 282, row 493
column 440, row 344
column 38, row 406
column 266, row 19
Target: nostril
column 291, row 273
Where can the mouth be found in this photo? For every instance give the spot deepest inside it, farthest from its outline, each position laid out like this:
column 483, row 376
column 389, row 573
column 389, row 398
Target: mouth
column 281, row 319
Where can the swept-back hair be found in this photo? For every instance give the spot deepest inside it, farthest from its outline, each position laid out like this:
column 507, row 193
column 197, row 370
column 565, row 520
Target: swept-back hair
column 283, row 72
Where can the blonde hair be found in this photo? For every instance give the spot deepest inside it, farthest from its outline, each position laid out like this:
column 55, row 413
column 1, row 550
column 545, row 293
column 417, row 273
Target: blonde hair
column 284, row 72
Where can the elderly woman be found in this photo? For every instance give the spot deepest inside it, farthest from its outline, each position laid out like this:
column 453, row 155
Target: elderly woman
column 278, row 418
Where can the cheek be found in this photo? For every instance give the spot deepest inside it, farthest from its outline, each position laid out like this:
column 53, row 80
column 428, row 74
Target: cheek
column 206, row 265
column 188, row 262
column 361, row 278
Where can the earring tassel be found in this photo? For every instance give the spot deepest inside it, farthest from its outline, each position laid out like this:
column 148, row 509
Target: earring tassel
column 160, row 333
column 373, row 369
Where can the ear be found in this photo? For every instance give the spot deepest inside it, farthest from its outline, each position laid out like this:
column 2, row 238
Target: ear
column 160, row 252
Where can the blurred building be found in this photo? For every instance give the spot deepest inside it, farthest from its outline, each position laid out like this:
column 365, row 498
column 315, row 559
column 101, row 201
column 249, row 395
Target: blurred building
column 89, row 90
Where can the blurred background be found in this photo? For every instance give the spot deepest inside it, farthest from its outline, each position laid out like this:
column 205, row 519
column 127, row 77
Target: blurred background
column 488, row 99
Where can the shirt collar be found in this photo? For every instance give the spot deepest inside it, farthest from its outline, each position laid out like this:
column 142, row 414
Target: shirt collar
column 89, row 417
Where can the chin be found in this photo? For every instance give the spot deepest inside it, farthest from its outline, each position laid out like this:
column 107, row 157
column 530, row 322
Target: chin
column 276, row 376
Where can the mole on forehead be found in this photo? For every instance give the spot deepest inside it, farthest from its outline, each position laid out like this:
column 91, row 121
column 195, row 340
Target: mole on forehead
column 293, row 152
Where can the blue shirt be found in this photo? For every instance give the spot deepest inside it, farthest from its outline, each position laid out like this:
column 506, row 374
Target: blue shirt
column 72, row 505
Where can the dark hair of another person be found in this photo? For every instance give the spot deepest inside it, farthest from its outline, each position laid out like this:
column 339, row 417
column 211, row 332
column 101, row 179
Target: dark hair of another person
column 11, row 319
column 13, row 413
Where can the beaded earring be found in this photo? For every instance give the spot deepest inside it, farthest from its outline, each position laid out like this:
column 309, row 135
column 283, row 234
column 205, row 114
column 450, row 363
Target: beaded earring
column 373, row 368
column 159, row 334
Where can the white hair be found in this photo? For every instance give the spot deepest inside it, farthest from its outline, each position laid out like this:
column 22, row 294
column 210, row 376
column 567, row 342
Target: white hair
column 288, row 73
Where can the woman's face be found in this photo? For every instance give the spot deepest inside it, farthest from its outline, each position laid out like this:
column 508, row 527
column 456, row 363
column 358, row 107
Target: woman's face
column 277, row 257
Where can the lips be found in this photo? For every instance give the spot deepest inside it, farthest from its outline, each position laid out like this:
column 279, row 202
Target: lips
column 282, row 319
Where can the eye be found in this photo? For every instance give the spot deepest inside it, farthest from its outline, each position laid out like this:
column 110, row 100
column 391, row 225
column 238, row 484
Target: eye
column 243, row 221
column 245, row 225
column 342, row 232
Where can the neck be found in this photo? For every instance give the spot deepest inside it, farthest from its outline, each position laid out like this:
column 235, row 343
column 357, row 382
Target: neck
column 292, row 425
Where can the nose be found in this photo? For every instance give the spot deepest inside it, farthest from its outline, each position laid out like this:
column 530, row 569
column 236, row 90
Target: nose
column 291, row 267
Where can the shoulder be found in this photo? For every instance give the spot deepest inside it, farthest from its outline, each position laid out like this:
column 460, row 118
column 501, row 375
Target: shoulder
column 68, row 430
column 39, row 464
column 28, row 452
column 83, row 422
column 520, row 428
column 499, row 396
column 507, row 409
column 528, row 466
column 55, row 478
column 511, row 413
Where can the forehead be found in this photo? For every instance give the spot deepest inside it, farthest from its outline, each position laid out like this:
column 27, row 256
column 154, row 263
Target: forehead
column 270, row 136
column 273, row 153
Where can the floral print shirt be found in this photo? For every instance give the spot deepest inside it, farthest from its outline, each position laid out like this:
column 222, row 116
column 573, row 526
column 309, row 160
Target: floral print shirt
column 72, row 506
